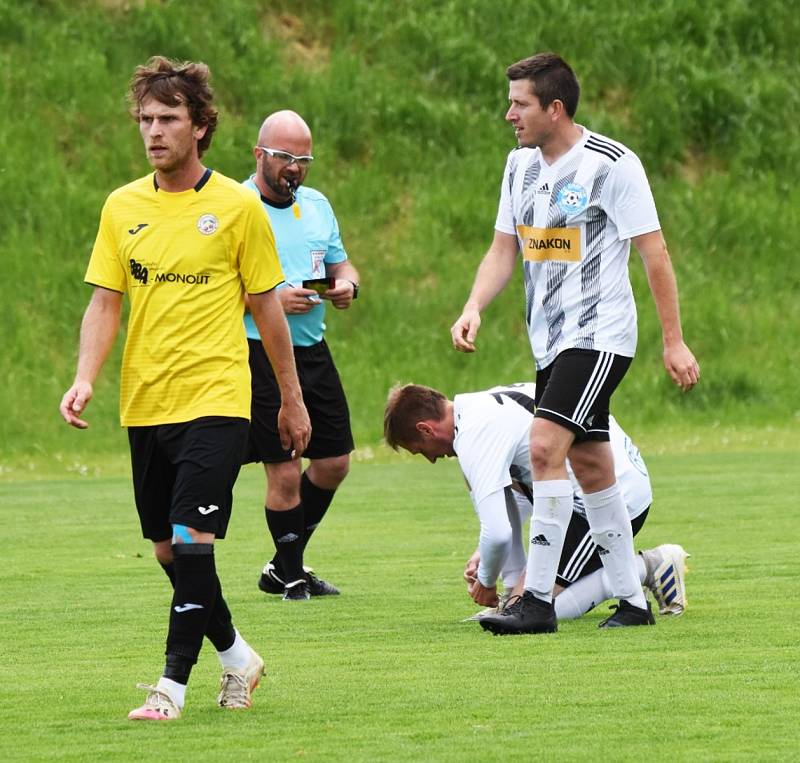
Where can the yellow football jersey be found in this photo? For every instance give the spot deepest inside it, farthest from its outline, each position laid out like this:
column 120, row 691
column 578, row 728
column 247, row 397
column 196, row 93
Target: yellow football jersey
column 185, row 260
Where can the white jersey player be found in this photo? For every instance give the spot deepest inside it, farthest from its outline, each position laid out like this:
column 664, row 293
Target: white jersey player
column 492, row 446
column 571, row 202
column 488, row 433
column 573, row 222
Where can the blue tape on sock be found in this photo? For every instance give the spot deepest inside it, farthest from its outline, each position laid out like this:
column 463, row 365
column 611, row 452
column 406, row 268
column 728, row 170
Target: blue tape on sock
column 181, row 532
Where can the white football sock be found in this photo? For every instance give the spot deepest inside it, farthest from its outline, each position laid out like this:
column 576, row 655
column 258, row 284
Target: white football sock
column 176, row 691
column 586, row 593
column 552, row 510
column 237, row 656
column 611, row 531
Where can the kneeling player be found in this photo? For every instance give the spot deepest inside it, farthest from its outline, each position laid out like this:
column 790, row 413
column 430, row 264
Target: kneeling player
column 489, row 434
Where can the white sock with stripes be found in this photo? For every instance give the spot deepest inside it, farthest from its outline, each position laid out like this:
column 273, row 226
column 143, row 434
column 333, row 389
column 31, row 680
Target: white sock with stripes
column 586, row 593
column 611, row 531
column 552, row 510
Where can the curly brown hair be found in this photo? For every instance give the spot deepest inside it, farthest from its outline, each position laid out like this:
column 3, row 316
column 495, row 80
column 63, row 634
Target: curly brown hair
column 172, row 83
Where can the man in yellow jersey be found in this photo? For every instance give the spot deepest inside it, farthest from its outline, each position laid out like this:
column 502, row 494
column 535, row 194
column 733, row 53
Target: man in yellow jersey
column 186, row 244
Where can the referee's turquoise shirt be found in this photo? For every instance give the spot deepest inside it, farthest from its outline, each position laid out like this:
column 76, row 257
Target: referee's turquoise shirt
column 307, row 238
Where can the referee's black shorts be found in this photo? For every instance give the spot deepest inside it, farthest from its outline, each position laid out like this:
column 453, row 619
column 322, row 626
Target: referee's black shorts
column 323, row 396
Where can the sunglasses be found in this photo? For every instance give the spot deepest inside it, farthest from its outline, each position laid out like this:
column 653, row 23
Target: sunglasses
column 285, row 157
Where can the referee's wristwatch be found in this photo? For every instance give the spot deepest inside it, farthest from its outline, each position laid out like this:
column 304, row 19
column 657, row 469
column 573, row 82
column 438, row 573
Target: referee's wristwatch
column 355, row 289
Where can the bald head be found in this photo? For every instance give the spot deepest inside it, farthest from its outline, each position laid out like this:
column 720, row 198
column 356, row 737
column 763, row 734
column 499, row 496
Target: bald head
column 287, row 131
column 279, row 172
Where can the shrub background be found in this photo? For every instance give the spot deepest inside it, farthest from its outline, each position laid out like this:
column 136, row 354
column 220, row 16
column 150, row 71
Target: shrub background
column 406, row 101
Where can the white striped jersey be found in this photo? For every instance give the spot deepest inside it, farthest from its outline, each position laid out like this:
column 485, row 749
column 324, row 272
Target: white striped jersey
column 574, row 221
column 493, row 448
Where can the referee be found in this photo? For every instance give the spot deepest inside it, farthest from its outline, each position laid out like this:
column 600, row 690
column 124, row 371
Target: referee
column 317, row 271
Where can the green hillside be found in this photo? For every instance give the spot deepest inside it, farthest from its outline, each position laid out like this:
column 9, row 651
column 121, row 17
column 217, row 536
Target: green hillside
column 406, row 100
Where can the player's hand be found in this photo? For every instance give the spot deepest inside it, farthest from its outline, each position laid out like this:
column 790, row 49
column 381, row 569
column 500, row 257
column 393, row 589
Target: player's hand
column 74, row 402
column 471, row 569
column 294, row 427
column 295, row 300
column 681, row 365
column 341, row 295
column 486, row 597
column 464, row 331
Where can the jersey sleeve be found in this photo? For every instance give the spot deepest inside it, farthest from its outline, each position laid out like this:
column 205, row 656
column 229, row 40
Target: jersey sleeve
column 628, row 199
column 105, row 266
column 505, row 213
column 495, row 537
column 259, row 265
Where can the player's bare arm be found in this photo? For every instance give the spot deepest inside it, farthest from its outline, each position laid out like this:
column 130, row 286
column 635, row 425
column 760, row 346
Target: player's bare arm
column 294, row 425
column 342, row 294
column 99, row 329
column 493, row 274
column 678, row 358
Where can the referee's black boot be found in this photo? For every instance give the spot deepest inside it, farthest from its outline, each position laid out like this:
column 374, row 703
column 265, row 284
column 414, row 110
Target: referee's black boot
column 269, row 582
column 626, row 614
column 525, row 615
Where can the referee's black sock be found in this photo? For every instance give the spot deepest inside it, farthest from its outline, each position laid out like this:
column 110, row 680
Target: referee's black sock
column 196, row 591
column 286, row 528
column 220, row 631
column 315, row 501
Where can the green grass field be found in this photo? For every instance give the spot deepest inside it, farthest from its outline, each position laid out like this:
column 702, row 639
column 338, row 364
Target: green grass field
column 406, row 101
column 388, row 671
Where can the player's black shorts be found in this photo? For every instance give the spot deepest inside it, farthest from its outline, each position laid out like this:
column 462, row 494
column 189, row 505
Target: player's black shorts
column 575, row 391
column 323, row 396
column 183, row 474
column 579, row 556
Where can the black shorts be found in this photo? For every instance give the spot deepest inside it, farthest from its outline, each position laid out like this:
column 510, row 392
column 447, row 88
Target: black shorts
column 579, row 556
column 575, row 391
column 183, row 474
column 323, row 396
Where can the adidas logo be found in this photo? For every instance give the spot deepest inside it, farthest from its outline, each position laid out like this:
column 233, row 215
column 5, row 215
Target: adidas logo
column 544, row 189
column 667, row 584
column 540, row 540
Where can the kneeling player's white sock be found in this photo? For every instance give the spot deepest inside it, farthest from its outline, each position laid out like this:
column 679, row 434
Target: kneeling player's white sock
column 611, row 531
column 552, row 510
column 237, row 656
column 586, row 593
column 176, row 691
